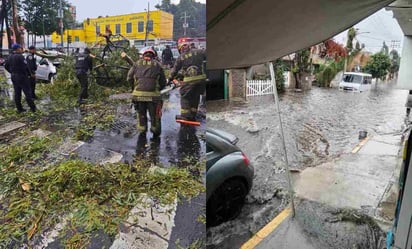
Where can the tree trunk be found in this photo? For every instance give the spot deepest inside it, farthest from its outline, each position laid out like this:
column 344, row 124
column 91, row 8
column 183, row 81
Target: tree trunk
column 16, row 28
column 297, row 80
column 6, row 21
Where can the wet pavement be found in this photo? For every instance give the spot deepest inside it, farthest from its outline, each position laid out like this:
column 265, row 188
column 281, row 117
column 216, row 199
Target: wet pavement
column 178, row 145
column 320, row 126
column 321, row 226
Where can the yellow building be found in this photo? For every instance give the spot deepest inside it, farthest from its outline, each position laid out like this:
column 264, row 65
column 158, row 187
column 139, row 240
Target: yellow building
column 132, row 26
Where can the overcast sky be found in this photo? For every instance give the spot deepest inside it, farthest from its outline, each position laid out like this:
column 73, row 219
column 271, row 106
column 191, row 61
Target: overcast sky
column 375, row 29
column 95, row 8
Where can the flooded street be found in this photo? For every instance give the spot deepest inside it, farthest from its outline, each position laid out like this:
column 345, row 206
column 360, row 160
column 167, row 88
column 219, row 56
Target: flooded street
column 320, row 125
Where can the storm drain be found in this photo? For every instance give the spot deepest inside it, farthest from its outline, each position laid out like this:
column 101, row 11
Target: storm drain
column 121, row 126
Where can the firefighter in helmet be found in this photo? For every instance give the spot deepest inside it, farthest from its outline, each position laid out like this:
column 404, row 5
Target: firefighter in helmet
column 147, row 79
column 190, row 69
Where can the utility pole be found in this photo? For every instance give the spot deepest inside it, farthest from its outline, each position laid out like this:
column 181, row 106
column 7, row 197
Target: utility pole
column 185, row 24
column 395, row 44
column 147, row 24
column 60, row 15
column 44, row 35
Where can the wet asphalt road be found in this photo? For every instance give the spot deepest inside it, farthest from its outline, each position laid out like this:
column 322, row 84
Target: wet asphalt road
column 176, row 144
column 320, row 125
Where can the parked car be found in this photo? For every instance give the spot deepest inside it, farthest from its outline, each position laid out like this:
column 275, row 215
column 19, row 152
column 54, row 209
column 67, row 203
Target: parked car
column 229, row 177
column 46, row 71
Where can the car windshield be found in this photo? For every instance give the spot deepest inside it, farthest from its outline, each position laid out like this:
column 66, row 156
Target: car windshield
column 352, row 78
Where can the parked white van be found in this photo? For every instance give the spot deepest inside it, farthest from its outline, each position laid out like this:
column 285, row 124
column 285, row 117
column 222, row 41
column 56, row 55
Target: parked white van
column 356, row 82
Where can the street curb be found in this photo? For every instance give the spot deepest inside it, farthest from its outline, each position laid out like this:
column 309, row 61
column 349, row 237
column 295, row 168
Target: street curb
column 266, row 230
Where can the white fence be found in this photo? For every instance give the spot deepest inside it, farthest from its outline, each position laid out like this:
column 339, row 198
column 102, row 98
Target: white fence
column 259, row 87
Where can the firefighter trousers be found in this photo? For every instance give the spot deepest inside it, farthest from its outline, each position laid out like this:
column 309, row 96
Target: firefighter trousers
column 155, row 113
column 190, row 97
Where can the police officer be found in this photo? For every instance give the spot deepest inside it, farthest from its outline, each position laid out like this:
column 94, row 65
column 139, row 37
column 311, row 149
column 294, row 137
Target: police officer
column 167, row 56
column 32, row 65
column 148, row 78
column 190, row 65
column 16, row 65
column 84, row 64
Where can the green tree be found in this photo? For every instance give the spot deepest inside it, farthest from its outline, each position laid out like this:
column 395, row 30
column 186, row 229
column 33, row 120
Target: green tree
column 301, row 65
column 349, row 42
column 378, row 65
column 280, row 69
column 395, row 62
column 38, row 18
column 166, row 6
column 195, row 17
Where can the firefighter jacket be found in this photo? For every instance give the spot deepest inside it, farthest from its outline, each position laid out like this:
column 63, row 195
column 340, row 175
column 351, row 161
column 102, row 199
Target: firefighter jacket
column 31, row 63
column 190, row 66
column 148, row 79
column 83, row 63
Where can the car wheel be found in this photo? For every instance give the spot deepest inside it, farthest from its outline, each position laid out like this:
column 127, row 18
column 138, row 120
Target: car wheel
column 52, row 78
column 226, row 202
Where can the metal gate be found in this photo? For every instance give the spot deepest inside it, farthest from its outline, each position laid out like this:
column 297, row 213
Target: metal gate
column 259, row 87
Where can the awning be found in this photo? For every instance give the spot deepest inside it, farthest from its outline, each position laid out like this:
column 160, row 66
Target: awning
column 241, row 33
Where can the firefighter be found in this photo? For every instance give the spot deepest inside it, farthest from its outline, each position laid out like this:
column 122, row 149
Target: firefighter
column 83, row 64
column 147, row 78
column 189, row 67
column 16, row 65
column 32, row 65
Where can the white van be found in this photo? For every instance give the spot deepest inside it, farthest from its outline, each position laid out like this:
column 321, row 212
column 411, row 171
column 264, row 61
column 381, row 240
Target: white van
column 355, row 82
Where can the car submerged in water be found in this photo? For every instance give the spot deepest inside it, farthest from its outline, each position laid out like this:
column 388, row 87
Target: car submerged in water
column 355, row 82
column 229, row 177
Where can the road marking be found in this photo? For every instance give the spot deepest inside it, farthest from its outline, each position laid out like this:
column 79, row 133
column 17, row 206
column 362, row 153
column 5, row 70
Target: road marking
column 360, row 145
column 266, row 230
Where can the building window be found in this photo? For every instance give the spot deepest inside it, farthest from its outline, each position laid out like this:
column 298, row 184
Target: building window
column 128, row 27
column 140, row 27
column 150, row 26
column 76, row 38
column 97, row 29
column 118, row 29
column 107, row 29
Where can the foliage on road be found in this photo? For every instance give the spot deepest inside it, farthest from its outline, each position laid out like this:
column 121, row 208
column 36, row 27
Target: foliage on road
column 91, row 197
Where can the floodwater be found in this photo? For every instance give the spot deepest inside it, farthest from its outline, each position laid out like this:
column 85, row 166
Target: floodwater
column 319, row 125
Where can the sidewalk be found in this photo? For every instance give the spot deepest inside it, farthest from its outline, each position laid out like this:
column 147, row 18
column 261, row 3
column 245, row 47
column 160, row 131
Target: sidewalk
column 364, row 180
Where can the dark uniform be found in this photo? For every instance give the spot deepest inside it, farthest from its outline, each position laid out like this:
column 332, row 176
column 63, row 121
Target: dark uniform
column 167, row 56
column 191, row 66
column 148, row 79
column 32, row 65
column 84, row 63
column 16, row 65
